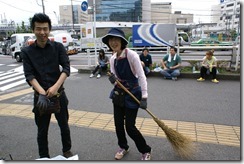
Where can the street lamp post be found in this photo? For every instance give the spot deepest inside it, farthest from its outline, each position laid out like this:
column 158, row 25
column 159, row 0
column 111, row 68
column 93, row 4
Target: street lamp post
column 43, row 7
column 56, row 16
column 94, row 30
column 72, row 15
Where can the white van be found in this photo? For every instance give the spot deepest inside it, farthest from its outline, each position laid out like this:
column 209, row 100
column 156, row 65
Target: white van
column 17, row 41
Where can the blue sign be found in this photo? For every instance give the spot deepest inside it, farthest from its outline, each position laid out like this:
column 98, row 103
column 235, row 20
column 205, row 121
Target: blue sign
column 84, row 6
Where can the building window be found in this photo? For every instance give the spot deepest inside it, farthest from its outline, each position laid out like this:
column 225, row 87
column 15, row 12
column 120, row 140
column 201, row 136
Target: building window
column 228, row 17
column 229, row 5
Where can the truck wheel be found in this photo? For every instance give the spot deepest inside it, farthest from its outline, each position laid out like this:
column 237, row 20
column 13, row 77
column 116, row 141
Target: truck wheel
column 182, row 51
column 18, row 58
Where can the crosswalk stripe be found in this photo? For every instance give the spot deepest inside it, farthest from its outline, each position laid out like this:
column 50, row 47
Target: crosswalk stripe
column 12, row 79
column 6, row 73
column 12, row 75
column 4, row 88
column 13, row 65
column 15, row 77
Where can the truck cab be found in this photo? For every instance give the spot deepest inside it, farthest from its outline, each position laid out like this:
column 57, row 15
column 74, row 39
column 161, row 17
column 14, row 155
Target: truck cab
column 17, row 42
column 184, row 39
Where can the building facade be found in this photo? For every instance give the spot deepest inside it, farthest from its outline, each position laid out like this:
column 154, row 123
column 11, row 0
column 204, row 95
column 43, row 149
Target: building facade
column 161, row 12
column 230, row 15
column 180, row 18
column 122, row 10
column 66, row 16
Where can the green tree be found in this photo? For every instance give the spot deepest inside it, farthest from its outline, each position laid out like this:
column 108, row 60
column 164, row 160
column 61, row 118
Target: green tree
column 233, row 34
column 23, row 28
column 18, row 30
column 29, row 28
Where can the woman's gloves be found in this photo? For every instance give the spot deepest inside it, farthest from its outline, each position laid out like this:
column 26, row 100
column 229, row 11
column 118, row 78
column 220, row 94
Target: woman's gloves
column 112, row 78
column 143, row 103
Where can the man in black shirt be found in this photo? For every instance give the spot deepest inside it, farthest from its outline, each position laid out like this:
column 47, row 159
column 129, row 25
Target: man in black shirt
column 146, row 61
column 41, row 62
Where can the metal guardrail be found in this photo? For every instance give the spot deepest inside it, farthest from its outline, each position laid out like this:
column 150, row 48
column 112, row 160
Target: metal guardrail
column 233, row 57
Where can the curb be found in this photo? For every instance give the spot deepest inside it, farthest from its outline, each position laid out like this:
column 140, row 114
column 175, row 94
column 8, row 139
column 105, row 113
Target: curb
column 235, row 77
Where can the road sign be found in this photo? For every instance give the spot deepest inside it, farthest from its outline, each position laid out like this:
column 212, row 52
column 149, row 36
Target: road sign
column 84, row 6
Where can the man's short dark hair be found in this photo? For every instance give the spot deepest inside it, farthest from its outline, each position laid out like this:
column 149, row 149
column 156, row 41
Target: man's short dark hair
column 175, row 49
column 41, row 18
column 145, row 49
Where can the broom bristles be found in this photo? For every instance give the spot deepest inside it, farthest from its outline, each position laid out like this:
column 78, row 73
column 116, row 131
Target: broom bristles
column 181, row 144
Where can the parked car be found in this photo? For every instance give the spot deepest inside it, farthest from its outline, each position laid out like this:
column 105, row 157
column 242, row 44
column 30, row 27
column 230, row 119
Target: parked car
column 210, row 42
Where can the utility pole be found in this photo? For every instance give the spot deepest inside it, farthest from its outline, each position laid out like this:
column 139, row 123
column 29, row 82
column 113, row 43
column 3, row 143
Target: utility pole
column 43, row 7
column 72, row 15
column 94, row 29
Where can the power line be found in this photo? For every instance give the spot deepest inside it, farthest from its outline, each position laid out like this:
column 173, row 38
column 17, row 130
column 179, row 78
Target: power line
column 16, row 7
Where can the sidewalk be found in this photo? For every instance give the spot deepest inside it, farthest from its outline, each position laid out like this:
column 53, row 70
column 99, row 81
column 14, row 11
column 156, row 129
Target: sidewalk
column 87, row 69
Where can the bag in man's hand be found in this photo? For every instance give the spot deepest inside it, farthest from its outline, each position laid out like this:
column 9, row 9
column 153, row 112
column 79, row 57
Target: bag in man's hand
column 52, row 107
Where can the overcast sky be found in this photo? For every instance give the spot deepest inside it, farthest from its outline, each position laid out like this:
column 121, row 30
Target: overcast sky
column 21, row 10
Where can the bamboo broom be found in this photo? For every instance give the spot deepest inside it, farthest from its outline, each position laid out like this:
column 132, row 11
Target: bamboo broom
column 181, row 144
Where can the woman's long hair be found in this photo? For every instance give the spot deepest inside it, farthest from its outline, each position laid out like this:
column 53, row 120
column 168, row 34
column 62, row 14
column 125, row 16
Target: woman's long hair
column 101, row 54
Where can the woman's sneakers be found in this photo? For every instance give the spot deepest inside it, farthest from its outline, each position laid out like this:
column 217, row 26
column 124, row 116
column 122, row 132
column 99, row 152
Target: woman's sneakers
column 98, row 75
column 92, row 75
column 215, row 81
column 200, row 79
column 146, row 156
column 120, row 153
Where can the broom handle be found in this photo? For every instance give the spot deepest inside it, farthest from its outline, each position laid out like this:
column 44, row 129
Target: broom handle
column 127, row 91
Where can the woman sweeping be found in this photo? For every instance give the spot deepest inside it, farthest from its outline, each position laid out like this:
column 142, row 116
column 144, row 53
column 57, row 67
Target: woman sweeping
column 125, row 66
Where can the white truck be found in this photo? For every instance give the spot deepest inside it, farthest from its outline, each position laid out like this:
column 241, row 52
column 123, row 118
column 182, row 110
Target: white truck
column 157, row 35
column 16, row 43
column 19, row 41
column 66, row 39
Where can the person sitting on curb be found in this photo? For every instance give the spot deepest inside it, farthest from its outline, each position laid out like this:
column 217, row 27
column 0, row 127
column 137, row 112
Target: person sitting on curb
column 146, row 61
column 171, row 65
column 102, row 64
column 209, row 66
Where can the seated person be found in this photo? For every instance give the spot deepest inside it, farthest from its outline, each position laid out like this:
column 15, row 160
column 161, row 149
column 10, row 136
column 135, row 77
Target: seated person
column 102, row 64
column 171, row 65
column 209, row 66
column 146, row 61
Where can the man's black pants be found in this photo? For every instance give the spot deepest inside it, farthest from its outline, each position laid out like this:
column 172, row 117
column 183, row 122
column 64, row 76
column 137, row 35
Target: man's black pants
column 43, row 122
